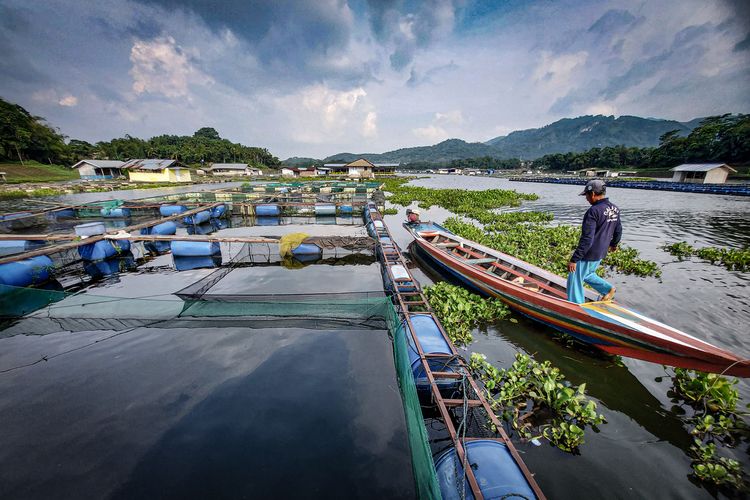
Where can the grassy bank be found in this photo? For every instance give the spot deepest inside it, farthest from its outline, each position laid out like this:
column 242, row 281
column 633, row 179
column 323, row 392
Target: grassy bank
column 32, row 171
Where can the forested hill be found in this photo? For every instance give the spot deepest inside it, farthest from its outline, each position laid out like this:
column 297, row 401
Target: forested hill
column 27, row 137
column 586, row 132
column 566, row 135
column 445, row 151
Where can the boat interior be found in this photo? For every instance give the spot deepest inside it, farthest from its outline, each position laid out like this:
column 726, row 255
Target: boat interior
column 497, row 266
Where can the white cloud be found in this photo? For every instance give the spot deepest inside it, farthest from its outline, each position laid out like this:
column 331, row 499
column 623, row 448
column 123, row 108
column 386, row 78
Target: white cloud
column 319, row 114
column 68, row 100
column 431, row 133
column 557, row 71
column 51, row 96
column 602, row 108
column 450, row 118
column 370, row 125
column 161, row 66
column 442, row 126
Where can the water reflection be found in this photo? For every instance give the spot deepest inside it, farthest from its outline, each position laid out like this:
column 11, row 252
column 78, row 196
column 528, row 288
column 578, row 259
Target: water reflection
column 203, row 412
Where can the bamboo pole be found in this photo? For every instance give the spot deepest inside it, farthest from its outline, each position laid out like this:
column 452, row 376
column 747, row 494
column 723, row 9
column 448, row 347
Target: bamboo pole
column 98, row 237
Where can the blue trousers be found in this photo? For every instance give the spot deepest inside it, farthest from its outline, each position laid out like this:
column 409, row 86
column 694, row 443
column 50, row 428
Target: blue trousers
column 585, row 273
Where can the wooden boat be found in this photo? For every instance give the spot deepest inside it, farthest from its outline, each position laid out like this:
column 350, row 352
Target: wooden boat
column 542, row 296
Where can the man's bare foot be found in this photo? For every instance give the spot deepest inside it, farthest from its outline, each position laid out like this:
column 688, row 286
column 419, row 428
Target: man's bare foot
column 609, row 294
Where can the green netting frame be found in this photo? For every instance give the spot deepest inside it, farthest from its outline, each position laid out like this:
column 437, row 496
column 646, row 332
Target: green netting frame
column 123, row 312
column 423, row 466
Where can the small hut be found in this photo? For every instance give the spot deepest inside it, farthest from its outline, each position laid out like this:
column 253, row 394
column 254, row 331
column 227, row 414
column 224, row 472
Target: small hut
column 702, row 173
column 99, row 169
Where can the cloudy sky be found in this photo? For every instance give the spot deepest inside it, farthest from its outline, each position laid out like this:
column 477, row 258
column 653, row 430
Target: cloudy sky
column 318, row 77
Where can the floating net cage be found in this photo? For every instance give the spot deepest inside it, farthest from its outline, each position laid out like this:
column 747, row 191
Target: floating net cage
column 68, row 303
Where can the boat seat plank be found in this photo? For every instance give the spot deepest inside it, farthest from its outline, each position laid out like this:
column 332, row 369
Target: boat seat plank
column 481, row 261
column 447, row 245
column 515, row 272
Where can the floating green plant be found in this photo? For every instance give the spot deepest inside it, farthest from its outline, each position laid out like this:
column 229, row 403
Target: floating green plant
column 460, row 311
column 715, row 419
column 474, row 204
column 734, row 259
column 713, row 392
column 711, row 468
column 390, row 211
column 537, row 400
column 547, row 246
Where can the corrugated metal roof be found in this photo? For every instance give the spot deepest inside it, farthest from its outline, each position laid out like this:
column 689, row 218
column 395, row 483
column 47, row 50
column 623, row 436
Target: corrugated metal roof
column 700, row 167
column 149, row 164
column 101, row 163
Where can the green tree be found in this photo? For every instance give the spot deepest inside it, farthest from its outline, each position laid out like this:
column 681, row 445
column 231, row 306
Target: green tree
column 207, row 132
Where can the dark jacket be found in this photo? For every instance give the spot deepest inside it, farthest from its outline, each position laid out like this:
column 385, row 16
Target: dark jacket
column 601, row 229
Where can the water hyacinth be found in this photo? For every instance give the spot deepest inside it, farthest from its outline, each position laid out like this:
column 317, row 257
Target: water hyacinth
column 537, row 400
column 734, row 259
column 459, row 310
column 547, row 246
column 715, row 420
column 526, row 235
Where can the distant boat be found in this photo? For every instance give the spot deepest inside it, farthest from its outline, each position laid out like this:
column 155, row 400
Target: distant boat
column 542, row 296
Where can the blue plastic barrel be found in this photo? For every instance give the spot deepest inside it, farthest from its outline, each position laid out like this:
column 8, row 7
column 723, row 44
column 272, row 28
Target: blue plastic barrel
column 205, row 228
column 103, row 249
column 325, row 209
column 307, row 249
column 61, row 214
column 497, row 473
column 156, row 247
column 267, row 221
column 267, row 211
column 195, row 248
column 307, row 258
column 198, row 218
column 101, row 268
column 115, row 212
column 199, row 262
column 218, row 211
column 26, row 272
column 432, row 342
column 167, row 210
column 346, row 210
column 218, row 224
column 165, row 228
column 159, row 247
column 325, row 220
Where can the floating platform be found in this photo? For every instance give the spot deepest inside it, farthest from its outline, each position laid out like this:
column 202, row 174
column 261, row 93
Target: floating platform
column 680, row 187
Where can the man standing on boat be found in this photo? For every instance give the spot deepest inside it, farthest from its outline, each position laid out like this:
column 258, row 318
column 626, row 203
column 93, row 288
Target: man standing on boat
column 601, row 231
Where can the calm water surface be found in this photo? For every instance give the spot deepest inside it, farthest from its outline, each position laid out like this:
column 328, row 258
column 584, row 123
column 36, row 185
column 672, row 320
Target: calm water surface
column 228, row 409
column 641, row 451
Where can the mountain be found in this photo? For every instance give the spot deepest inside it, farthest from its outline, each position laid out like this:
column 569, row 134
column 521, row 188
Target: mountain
column 439, row 153
column 297, row 161
column 563, row 136
column 586, row 132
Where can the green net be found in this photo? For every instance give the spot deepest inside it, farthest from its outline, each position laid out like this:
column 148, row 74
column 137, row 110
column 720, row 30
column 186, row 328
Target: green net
column 48, row 310
column 425, row 477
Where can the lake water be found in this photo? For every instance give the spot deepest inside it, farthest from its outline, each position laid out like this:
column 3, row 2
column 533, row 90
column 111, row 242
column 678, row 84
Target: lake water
column 641, row 451
column 229, row 408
